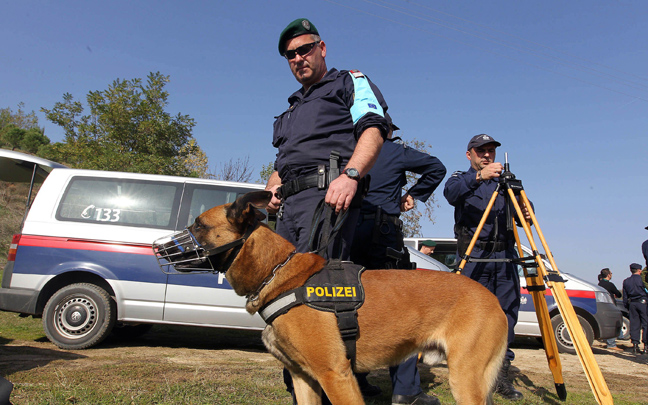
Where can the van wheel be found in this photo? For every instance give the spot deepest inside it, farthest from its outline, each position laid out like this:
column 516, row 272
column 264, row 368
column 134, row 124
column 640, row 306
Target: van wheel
column 625, row 329
column 563, row 340
column 79, row 316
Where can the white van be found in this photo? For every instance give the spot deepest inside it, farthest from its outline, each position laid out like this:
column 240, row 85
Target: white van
column 84, row 260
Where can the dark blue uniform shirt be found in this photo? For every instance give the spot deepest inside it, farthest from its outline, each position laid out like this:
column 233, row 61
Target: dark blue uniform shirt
column 644, row 249
column 633, row 289
column 470, row 199
column 388, row 177
column 331, row 115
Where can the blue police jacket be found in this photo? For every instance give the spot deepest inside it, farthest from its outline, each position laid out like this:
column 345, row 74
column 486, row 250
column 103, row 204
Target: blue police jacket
column 331, row 115
column 644, row 249
column 388, row 177
column 633, row 289
column 470, row 199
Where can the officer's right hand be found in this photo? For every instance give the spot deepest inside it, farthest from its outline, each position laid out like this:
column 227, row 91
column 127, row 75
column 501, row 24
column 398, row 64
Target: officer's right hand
column 492, row 171
column 340, row 193
column 275, row 202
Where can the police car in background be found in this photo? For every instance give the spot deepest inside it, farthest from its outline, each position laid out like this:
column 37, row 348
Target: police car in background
column 595, row 309
column 83, row 259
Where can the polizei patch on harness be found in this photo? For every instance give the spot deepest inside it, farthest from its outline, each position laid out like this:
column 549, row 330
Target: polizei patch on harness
column 335, row 288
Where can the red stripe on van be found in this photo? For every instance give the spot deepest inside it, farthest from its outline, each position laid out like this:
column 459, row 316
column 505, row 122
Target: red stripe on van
column 570, row 293
column 80, row 244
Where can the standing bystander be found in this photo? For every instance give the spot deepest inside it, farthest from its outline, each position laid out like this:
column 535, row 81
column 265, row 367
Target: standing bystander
column 604, row 281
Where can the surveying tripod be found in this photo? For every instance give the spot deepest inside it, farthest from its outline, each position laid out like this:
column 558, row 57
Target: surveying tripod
column 537, row 275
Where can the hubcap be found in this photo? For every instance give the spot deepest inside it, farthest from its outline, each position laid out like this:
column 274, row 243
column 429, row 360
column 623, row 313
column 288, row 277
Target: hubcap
column 76, row 317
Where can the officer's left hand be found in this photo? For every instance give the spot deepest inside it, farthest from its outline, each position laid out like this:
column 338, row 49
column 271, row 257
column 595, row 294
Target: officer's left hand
column 525, row 210
column 341, row 192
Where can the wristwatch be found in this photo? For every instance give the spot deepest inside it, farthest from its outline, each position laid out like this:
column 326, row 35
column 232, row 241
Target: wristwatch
column 352, row 173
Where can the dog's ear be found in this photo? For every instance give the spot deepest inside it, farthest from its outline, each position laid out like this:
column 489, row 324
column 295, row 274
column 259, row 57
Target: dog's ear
column 246, row 208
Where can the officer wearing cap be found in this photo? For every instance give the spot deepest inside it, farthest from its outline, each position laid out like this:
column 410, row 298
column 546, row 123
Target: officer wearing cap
column 327, row 140
column 469, row 193
column 427, row 247
column 378, row 241
column 635, row 299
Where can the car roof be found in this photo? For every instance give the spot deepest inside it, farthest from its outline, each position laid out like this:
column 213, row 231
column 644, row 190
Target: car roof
column 18, row 167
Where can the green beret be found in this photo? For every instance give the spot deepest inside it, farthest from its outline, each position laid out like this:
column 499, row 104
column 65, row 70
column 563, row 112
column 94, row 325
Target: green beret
column 296, row 28
column 429, row 243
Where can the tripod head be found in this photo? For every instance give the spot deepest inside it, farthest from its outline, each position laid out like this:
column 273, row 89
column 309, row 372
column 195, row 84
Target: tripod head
column 507, row 178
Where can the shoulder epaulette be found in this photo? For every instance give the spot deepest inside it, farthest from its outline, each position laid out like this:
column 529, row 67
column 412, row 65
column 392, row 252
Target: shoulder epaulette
column 356, row 73
column 457, row 173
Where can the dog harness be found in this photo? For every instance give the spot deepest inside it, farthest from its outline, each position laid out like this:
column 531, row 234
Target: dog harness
column 336, row 288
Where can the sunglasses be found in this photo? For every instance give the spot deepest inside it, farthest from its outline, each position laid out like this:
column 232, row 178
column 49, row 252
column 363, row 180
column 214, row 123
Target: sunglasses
column 301, row 51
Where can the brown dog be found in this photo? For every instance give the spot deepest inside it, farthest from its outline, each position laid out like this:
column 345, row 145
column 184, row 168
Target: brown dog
column 405, row 312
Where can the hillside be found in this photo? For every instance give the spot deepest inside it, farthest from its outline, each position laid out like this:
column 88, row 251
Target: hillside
column 13, row 198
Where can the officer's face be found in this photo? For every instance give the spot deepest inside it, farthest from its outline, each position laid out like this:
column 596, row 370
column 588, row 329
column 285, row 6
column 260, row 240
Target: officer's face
column 310, row 68
column 481, row 156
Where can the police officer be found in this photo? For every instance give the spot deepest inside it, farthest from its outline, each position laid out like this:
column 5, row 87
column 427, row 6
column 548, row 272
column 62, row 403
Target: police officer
column 378, row 241
column 427, row 247
column 644, row 273
column 470, row 192
column 327, row 140
column 341, row 111
column 635, row 299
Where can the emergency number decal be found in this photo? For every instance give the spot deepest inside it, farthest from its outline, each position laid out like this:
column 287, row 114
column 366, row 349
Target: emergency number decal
column 101, row 214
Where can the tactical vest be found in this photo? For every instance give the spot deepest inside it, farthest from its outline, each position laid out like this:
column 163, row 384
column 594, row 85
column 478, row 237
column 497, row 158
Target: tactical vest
column 336, row 288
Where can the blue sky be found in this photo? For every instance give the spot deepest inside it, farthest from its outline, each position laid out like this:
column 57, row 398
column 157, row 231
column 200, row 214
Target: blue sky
column 562, row 85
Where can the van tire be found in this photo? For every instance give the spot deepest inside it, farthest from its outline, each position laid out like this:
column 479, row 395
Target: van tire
column 563, row 340
column 79, row 316
column 625, row 329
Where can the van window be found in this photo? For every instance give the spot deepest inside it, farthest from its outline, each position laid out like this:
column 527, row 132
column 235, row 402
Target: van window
column 121, row 202
column 203, row 199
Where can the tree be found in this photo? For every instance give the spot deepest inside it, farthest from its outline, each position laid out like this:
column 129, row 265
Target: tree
column 20, row 119
column 266, row 172
column 33, row 140
column 412, row 218
column 238, row 170
column 127, row 129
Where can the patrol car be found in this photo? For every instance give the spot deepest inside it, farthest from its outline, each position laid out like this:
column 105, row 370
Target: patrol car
column 83, row 260
column 595, row 309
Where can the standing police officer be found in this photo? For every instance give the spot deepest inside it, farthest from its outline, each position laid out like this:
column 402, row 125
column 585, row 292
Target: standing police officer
column 327, row 140
column 378, row 241
column 336, row 120
column 635, row 299
column 470, row 192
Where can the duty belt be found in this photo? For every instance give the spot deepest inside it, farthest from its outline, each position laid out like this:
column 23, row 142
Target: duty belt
column 321, row 179
column 496, row 246
column 394, row 219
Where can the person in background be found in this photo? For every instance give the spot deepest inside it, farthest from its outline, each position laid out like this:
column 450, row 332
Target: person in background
column 604, row 281
column 635, row 300
column 427, row 247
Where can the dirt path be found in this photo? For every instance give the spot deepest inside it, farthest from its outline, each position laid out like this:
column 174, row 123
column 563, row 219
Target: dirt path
column 226, row 352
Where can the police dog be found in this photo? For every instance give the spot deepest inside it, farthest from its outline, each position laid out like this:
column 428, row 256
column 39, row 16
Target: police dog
column 443, row 315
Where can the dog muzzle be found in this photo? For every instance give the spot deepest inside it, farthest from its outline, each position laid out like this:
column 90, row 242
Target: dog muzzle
column 180, row 252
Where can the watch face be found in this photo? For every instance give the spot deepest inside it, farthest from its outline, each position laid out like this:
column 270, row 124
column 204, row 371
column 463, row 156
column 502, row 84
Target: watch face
column 352, row 173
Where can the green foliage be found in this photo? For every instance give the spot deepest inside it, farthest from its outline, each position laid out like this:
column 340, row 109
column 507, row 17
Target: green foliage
column 33, row 140
column 127, row 129
column 266, row 172
column 19, row 119
column 13, row 136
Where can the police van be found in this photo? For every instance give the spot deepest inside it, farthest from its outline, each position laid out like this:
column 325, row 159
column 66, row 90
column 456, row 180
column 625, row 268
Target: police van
column 595, row 309
column 83, row 260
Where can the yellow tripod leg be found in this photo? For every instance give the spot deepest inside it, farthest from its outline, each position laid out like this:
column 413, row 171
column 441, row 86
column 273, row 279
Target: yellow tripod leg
column 583, row 349
column 535, row 285
column 478, row 230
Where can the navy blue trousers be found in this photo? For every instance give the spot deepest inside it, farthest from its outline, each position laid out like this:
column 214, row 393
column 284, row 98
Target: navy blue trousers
column 503, row 280
column 638, row 322
column 369, row 249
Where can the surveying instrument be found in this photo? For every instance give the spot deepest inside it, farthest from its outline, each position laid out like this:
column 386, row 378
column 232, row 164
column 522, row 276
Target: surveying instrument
column 537, row 275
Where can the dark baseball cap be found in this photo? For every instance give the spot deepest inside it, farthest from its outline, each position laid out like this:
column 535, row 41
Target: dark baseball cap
column 428, row 242
column 481, row 139
column 635, row 266
column 296, row 28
